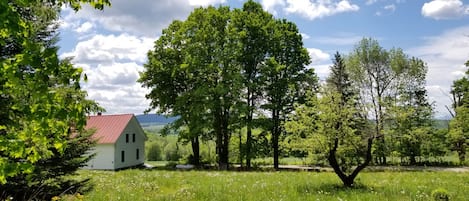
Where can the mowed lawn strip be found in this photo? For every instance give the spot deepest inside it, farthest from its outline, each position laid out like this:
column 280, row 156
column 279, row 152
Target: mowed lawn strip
column 219, row 185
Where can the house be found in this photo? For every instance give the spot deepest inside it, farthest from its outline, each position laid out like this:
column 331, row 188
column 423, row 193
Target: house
column 120, row 142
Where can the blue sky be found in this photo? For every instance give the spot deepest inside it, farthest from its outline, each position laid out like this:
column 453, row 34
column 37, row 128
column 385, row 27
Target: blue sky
column 111, row 45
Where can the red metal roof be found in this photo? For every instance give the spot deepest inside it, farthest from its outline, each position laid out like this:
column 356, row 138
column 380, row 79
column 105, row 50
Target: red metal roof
column 108, row 127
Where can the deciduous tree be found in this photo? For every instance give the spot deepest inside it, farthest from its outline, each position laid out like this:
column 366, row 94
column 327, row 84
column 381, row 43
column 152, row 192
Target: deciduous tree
column 459, row 125
column 285, row 78
column 376, row 72
column 40, row 97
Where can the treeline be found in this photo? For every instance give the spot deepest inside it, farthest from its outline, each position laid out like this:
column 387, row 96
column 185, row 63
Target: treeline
column 229, row 72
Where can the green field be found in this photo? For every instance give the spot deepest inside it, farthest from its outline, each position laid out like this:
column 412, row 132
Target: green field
column 240, row 186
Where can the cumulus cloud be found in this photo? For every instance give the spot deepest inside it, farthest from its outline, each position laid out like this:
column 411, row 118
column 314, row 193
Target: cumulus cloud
column 311, row 9
column 112, row 64
column 110, row 48
column 142, row 18
column 270, row 5
column 318, row 56
column 85, row 27
column 319, row 9
column 444, row 9
column 445, row 55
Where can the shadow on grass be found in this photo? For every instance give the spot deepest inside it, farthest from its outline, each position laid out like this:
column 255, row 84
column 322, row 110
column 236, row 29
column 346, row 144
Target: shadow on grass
column 333, row 188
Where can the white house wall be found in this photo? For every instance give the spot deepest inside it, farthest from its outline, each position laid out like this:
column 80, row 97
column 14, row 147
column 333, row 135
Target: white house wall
column 104, row 158
column 130, row 147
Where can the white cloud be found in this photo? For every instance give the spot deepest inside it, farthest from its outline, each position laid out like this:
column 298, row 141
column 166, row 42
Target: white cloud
column 205, row 2
column 305, row 36
column 142, row 18
column 322, row 71
column 390, row 7
column 444, row 9
column 111, row 48
column 112, row 64
column 445, row 56
column 85, row 27
column 269, row 5
column 318, row 56
column 318, row 8
column 311, row 9
column 320, row 61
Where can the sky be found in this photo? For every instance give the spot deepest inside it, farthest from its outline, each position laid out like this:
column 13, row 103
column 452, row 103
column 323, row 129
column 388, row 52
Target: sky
column 111, row 45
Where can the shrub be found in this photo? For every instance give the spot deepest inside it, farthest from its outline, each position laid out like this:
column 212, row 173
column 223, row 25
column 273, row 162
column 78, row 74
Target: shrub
column 171, row 152
column 154, row 152
column 440, row 194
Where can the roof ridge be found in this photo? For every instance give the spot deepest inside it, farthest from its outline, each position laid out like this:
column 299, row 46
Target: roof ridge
column 106, row 115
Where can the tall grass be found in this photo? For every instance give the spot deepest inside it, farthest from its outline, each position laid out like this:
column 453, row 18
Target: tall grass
column 216, row 185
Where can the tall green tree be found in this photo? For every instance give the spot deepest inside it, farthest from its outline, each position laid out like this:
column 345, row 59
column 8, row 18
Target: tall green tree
column 285, row 79
column 209, row 70
column 412, row 114
column 376, row 72
column 335, row 125
column 459, row 125
column 251, row 24
column 201, row 82
column 41, row 100
column 174, row 89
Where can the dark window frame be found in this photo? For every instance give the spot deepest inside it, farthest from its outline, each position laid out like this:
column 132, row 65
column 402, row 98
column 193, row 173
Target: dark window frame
column 138, row 154
column 126, row 138
column 133, row 137
column 122, row 156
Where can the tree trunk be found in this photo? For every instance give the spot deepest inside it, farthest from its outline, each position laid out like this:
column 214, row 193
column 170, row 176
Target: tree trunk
column 223, row 140
column 462, row 154
column 240, row 149
column 275, row 137
column 412, row 160
column 248, row 143
column 249, row 130
column 276, row 150
column 348, row 180
column 195, row 151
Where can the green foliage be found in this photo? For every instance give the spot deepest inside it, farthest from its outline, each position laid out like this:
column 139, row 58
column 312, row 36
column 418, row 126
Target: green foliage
column 459, row 125
column 392, row 90
column 410, row 117
column 459, row 132
column 213, row 68
column 335, row 124
column 154, row 152
column 440, row 194
column 41, row 101
column 52, row 176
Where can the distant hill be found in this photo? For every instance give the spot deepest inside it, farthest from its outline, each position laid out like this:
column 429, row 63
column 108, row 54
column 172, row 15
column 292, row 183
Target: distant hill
column 441, row 123
column 154, row 119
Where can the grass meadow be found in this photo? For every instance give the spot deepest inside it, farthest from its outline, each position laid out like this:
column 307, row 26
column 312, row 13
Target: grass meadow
column 136, row 184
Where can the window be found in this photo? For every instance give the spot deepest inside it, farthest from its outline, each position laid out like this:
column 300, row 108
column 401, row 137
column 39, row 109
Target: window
column 133, row 137
column 138, row 155
column 122, row 156
column 127, row 138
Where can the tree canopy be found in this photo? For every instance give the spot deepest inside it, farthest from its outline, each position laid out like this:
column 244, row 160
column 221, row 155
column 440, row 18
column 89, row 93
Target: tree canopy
column 40, row 94
column 216, row 68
